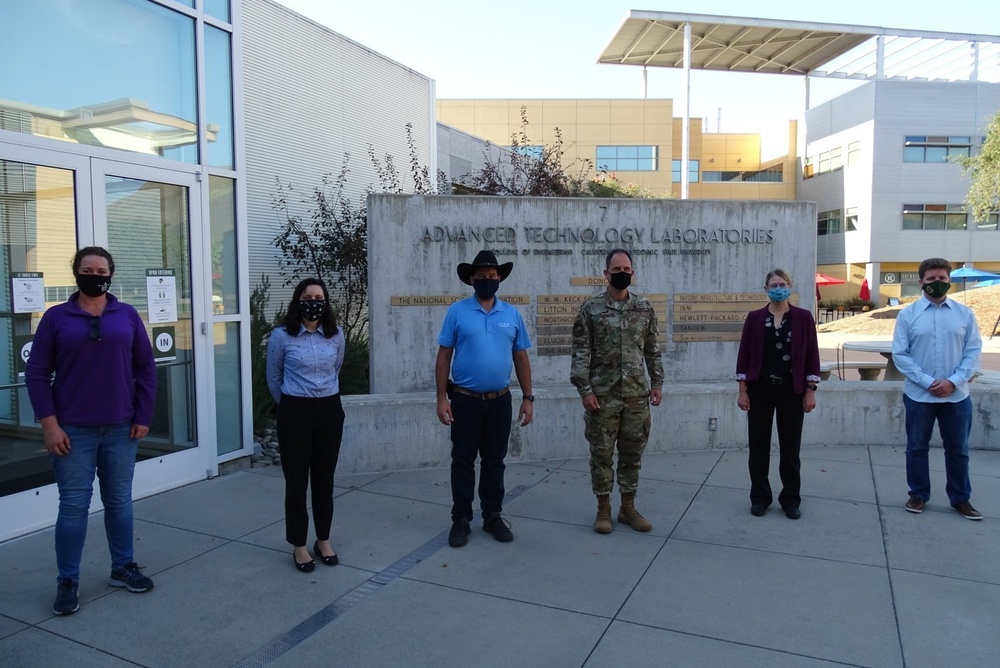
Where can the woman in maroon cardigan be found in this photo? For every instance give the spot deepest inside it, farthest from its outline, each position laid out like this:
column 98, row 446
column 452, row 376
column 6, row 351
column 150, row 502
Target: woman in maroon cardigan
column 777, row 368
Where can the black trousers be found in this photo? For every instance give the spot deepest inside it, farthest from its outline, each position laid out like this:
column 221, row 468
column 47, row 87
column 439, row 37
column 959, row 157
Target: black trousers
column 309, row 434
column 480, row 427
column 765, row 401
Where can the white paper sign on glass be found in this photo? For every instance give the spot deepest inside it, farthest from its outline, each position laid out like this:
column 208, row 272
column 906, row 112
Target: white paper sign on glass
column 27, row 291
column 161, row 295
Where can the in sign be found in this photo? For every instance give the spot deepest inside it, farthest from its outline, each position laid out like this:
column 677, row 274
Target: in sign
column 164, row 342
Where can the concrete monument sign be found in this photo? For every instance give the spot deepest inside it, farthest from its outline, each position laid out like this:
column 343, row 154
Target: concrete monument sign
column 701, row 264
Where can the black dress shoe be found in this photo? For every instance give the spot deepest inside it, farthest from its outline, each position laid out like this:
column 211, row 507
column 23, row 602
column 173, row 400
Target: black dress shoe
column 306, row 567
column 332, row 560
column 459, row 534
column 758, row 509
column 793, row 513
column 499, row 527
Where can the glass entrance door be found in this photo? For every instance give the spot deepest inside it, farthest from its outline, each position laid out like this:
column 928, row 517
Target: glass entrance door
column 148, row 226
column 38, row 221
column 52, row 203
column 146, row 217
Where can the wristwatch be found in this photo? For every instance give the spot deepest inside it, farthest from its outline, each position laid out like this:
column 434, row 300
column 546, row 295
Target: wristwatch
column 529, row 397
column 812, row 386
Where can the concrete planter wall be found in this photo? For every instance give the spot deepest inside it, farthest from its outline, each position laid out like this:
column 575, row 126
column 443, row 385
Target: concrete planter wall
column 401, row 431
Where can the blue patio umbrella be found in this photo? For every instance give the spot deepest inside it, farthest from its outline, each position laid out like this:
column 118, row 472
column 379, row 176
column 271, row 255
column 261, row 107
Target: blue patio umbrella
column 987, row 284
column 970, row 274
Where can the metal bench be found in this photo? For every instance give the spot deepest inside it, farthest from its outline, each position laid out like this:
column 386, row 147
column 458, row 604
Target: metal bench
column 867, row 370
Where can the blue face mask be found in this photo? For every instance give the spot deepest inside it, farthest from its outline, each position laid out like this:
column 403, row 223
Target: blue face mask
column 779, row 294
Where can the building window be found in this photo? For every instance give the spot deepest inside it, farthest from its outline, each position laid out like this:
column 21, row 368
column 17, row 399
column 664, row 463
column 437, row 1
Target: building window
column 130, row 88
column 830, row 161
column 627, row 158
column 675, row 171
column 217, row 8
column 853, row 153
column 531, row 151
column 828, row 222
column 763, row 176
column 934, row 217
column 219, row 97
column 991, row 223
column 930, row 148
column 851, row 219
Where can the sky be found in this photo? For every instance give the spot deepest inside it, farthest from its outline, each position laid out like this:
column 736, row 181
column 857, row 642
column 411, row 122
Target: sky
column 549, row 48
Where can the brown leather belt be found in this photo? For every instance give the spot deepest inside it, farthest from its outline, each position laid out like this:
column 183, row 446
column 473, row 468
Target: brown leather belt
column 480, row 395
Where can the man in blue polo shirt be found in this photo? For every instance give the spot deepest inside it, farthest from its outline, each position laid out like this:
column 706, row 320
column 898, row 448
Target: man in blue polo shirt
column 481, row 339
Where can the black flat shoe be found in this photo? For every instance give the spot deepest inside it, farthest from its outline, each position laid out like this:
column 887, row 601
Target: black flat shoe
column 306, row 567
column 758, row 509
column 793, row 513
column 332, row 560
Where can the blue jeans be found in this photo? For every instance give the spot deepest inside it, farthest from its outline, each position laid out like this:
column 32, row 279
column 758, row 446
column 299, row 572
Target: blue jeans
column 954, row 424
column 110, row 453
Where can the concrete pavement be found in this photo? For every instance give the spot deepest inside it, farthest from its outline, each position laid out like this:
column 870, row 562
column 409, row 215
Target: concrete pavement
column 857, row 581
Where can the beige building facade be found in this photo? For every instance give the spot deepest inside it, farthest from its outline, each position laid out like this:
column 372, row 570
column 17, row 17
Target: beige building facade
column 639, row 141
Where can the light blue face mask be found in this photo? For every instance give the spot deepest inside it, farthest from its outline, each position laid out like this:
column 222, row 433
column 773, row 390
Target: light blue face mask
column 779, row 294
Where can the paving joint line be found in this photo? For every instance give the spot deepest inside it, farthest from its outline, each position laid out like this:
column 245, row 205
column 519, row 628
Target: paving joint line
column 317, row 621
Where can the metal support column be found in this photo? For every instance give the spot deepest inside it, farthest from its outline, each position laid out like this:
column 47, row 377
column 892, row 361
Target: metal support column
column 686, row 122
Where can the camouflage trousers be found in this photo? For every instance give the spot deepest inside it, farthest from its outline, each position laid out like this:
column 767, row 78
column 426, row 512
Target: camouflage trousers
column 624, row 422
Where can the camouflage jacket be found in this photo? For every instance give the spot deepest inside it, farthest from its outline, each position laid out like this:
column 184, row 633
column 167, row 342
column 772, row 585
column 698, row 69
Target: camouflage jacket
column 612, row 343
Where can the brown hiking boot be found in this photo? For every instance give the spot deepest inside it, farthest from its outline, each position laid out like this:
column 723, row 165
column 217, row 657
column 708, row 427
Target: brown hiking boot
column 603, row 522
column 630, row 516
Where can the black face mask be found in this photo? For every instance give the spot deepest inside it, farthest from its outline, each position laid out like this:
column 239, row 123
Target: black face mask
column 620, row 280
column 93, row 285
column 485, row 287
column 936, row 289
column 311, row 310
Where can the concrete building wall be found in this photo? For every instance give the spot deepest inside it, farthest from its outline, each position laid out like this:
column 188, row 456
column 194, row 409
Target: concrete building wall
column 880, row 115
column 587, row 124
column 312, row 96
column 927, row 108
column 461, row 154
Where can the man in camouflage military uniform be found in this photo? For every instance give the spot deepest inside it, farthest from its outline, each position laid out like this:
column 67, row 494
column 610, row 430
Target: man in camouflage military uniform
column 614, row 344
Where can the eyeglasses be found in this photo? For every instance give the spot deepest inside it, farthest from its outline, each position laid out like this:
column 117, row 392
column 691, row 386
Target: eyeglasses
column 95, row 328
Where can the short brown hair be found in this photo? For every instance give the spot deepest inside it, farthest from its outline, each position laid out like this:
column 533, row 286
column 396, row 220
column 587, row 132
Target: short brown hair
column 933, row 263
column 93, row 250
column 780, row 273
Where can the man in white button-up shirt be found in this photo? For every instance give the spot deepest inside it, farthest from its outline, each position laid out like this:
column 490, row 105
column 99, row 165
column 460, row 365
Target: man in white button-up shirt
column 936, row 346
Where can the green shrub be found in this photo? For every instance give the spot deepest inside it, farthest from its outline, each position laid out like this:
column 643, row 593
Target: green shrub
column 260, row 331
column 354, row 373
column 858, row 303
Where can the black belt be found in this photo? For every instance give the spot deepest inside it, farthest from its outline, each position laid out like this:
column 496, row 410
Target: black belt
column 480, row 395
column 777, row 380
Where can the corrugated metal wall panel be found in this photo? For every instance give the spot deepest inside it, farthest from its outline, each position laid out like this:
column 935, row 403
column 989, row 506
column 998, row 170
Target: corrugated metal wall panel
column 312, row 95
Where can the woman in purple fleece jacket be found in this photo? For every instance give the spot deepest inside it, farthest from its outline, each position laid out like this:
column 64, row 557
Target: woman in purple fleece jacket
column 777, row 369
column 93, row 414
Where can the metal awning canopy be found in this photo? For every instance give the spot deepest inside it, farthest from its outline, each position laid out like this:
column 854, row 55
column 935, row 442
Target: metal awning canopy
column 740, row 44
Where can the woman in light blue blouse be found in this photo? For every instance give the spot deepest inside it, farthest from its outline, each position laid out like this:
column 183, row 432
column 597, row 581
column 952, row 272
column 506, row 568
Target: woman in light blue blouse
column 304, row 356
